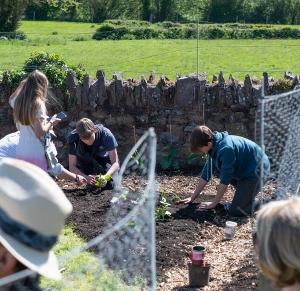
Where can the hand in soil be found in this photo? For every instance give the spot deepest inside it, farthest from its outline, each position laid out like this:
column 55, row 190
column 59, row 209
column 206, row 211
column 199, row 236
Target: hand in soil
column 207, row 205
column 91, row 179
column 81, row 180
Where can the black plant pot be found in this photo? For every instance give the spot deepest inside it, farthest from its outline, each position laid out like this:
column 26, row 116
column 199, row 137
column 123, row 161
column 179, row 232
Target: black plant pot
column 198, row 275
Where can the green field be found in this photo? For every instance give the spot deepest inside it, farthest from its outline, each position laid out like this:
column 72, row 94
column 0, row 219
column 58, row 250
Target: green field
column 134, row 58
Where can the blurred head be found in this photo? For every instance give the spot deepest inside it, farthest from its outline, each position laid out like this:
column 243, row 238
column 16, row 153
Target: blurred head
column 278, row 241
column 33, row 91
column 86, row 130
column 201, row 139
column 33, row 210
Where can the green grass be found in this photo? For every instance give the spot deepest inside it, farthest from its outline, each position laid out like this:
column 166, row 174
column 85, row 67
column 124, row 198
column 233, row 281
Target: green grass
column 82, row 272
column 140, row 57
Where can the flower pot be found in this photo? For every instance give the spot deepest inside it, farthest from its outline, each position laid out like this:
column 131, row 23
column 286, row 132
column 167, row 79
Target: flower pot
column 198, row 275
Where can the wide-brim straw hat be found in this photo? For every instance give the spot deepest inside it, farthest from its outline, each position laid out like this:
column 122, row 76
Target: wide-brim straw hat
column 31, row 200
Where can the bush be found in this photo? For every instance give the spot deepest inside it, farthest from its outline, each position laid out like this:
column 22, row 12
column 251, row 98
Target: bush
column 109, row 31
column 281, row 86
column 12, row 78
column 134, row 29
column 51, row 65
column 13, row 35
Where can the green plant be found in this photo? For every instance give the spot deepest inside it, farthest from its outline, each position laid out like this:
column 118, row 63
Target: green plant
column 282, row 85
column 54, row 67
column 162, row 211
column 12, row 78
column 101, row 180
column 168, row 162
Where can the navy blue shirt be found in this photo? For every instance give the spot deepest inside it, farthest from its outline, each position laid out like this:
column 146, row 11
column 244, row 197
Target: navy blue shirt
column 234, row 158
column 104, row 142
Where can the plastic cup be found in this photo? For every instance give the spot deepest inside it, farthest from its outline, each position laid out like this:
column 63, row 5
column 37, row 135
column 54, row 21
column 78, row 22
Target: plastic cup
column 230, row 229
column 197, row 255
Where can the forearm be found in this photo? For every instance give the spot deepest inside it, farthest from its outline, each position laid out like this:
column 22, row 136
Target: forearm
column 221, row 189
column 73, row 169
column 198, row 189
column 65, row 174
column 114, row 167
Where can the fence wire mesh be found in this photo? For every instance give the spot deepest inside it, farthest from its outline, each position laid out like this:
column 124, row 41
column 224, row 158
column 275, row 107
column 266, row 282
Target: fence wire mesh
column 122, row 257
column 279, row 133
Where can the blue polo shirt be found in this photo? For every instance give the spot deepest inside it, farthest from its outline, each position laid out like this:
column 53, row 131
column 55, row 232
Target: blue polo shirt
column 234, row 158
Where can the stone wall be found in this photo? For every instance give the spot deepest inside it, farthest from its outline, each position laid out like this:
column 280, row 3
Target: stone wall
column 129, row 107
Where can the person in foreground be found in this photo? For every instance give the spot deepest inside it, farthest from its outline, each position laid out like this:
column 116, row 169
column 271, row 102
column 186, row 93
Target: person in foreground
column 277, row 243
column 33, row 210
column 8, row 149
column 237, row 161
column 93, row 151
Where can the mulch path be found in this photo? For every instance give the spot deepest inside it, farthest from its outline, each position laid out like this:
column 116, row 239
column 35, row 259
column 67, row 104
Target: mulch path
column 232, row 262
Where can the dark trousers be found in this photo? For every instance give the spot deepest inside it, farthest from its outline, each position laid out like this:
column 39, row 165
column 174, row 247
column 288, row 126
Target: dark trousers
column 96, row 166
column 243, row 200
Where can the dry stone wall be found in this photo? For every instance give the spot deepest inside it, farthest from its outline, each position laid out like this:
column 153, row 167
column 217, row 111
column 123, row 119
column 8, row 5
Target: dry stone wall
column 129, row 107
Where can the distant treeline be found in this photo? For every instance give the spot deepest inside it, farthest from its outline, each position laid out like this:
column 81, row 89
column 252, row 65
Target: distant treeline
column 154, row 11
column 249, row 11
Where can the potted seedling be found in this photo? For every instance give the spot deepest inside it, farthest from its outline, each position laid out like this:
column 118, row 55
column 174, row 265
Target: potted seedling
column 198, row 269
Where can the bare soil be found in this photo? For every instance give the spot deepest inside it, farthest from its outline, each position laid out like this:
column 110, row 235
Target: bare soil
column 232, row 262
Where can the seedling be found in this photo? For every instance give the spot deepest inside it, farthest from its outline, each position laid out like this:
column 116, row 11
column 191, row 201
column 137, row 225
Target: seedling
column 162, row 212
column 102, row 180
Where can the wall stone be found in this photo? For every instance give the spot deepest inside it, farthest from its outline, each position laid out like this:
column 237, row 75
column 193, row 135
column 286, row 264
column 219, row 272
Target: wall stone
column 129, row 107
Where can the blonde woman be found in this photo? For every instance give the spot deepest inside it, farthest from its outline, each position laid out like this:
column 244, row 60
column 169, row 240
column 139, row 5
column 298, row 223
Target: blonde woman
column 30, row 114
column 278, row 243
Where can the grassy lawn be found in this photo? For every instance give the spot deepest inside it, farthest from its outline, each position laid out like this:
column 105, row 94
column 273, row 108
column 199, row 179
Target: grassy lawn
column 139, row 57
column 81, row 272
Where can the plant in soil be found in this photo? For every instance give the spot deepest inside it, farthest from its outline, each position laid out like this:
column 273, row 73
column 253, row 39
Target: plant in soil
column 162, row 211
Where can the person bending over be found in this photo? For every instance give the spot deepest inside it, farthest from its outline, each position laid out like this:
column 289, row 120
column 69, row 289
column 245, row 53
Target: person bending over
column 237, row 161
column 93, row 151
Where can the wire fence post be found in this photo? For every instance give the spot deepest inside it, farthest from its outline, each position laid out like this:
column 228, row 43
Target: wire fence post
column 197, row 65
column 261, row 120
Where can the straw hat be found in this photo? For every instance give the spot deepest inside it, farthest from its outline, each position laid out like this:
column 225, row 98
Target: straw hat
column 33, row 210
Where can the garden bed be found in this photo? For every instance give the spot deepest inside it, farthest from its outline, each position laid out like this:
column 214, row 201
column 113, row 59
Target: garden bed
column 233, row 264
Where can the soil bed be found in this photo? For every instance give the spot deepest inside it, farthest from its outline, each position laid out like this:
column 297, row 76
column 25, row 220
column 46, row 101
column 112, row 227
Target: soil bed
column 233, row 262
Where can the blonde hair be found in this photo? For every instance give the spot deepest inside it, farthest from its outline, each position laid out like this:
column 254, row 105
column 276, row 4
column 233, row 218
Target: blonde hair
column 85, row 128
column 32, row 91
column 278, row 241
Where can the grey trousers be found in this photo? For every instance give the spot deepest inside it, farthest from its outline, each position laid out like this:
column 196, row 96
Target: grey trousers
column 243, row 200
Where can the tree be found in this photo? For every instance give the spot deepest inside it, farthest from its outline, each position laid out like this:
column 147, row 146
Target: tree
column 11, row 12
column 223, row 10
column 146, row 9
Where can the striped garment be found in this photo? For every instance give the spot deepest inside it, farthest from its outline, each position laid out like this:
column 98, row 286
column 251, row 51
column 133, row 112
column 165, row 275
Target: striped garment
column 8, row 145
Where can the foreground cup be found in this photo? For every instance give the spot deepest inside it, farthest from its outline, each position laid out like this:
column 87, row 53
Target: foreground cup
column 197, row 255
column 230, row 229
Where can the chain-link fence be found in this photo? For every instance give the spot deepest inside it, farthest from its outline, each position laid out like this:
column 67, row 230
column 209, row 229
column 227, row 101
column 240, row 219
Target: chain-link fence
column 122, row 257
column 279, row 134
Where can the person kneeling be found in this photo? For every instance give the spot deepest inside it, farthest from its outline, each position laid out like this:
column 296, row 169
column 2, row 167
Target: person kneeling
column 93, row 153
